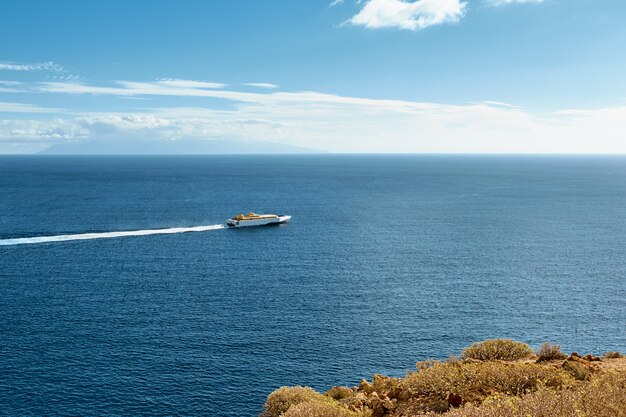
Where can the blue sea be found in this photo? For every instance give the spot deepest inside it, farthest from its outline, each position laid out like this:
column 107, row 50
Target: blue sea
column 388, row 260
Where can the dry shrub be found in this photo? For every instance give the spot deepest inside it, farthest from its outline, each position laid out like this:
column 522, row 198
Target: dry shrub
column 435, row 381
column 319, row 409
column 576, row 369
column 497, row 349
column 548, row 352
column 613, row 355
column 604, row 396
column 284, row 398
column 339, row 393
column 384, row 384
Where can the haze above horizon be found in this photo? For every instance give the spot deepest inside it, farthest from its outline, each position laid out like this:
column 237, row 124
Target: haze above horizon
column 399, row 76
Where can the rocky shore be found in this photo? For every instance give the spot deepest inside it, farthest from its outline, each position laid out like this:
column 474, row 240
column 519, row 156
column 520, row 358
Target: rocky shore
column 495, row 378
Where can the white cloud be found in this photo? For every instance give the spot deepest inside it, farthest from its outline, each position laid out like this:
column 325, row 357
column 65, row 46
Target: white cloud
column 503, row 2
column 322, row 121
column 499, row 103
column 261, row 85
column 175, row 82
column 349, row 128
column 411, row 15
column 25, row 108
column 68, row 77
column 11, row 87
column 134, row 88
column 41, row 130
column 335, row 2
column 40, row 66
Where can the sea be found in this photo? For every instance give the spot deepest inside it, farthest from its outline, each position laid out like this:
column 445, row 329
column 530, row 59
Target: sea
column 388, row 260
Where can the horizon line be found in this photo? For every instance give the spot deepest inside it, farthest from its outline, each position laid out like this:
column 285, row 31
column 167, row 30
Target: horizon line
column 321, row 153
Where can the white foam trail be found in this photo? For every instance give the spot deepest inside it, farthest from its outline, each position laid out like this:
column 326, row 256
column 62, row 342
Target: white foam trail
column 106, row 235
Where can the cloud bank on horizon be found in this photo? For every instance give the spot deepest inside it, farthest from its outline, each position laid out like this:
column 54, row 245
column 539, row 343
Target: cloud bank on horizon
column 308, row 119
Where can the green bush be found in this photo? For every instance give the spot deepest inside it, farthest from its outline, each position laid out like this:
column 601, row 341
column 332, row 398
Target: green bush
column 497, row 349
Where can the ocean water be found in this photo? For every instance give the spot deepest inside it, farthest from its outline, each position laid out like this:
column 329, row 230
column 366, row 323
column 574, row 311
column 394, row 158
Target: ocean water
column 388, row 260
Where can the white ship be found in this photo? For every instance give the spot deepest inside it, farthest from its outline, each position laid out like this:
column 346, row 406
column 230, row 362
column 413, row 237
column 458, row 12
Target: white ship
column 253, row 219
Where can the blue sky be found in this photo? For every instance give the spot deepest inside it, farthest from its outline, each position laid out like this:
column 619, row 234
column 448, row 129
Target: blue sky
column 340, row 76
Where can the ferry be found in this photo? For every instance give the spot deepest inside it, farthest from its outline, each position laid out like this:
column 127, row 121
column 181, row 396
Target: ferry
column 253, row 219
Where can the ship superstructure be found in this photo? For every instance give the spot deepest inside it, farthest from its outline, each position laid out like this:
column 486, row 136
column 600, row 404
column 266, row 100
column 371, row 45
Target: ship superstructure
column 253, row 219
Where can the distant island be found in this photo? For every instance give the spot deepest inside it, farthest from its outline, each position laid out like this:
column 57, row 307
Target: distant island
column 494, row 378
column 174, row 147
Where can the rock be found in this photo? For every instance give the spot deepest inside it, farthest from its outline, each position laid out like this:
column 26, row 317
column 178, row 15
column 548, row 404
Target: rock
column 365, row 386
column 357, row 402
column 399, row 394
column 361, row 397
column 381, row 405
column 389, row 403
column 455, row 400
column 578, row 367
column 381, row 381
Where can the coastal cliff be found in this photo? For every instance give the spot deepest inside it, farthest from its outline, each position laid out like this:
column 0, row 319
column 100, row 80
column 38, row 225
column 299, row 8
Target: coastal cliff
column 494, row 378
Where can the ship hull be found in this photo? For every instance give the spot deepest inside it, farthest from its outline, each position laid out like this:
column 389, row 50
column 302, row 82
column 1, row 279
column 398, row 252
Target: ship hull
column 257, row 222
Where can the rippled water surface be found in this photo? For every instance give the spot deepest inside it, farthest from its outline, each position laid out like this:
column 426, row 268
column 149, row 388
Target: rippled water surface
column 388, row 260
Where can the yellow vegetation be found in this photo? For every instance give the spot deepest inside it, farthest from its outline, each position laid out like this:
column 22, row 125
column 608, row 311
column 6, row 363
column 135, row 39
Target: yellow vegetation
column 434, row 383
column 487, row 382
column 497, row 349
column 319, row 409
column 548, row 352
column 284, row 398
column 463, row 378
column 603, row 396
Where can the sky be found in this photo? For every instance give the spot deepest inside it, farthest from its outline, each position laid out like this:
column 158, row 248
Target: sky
column 397, row 76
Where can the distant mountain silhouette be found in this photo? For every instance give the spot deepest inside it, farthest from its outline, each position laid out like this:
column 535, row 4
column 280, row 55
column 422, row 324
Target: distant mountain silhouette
column 173, row 147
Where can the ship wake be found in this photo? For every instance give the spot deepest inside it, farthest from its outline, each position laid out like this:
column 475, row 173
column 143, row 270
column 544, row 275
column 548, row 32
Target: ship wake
column 106, row 235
